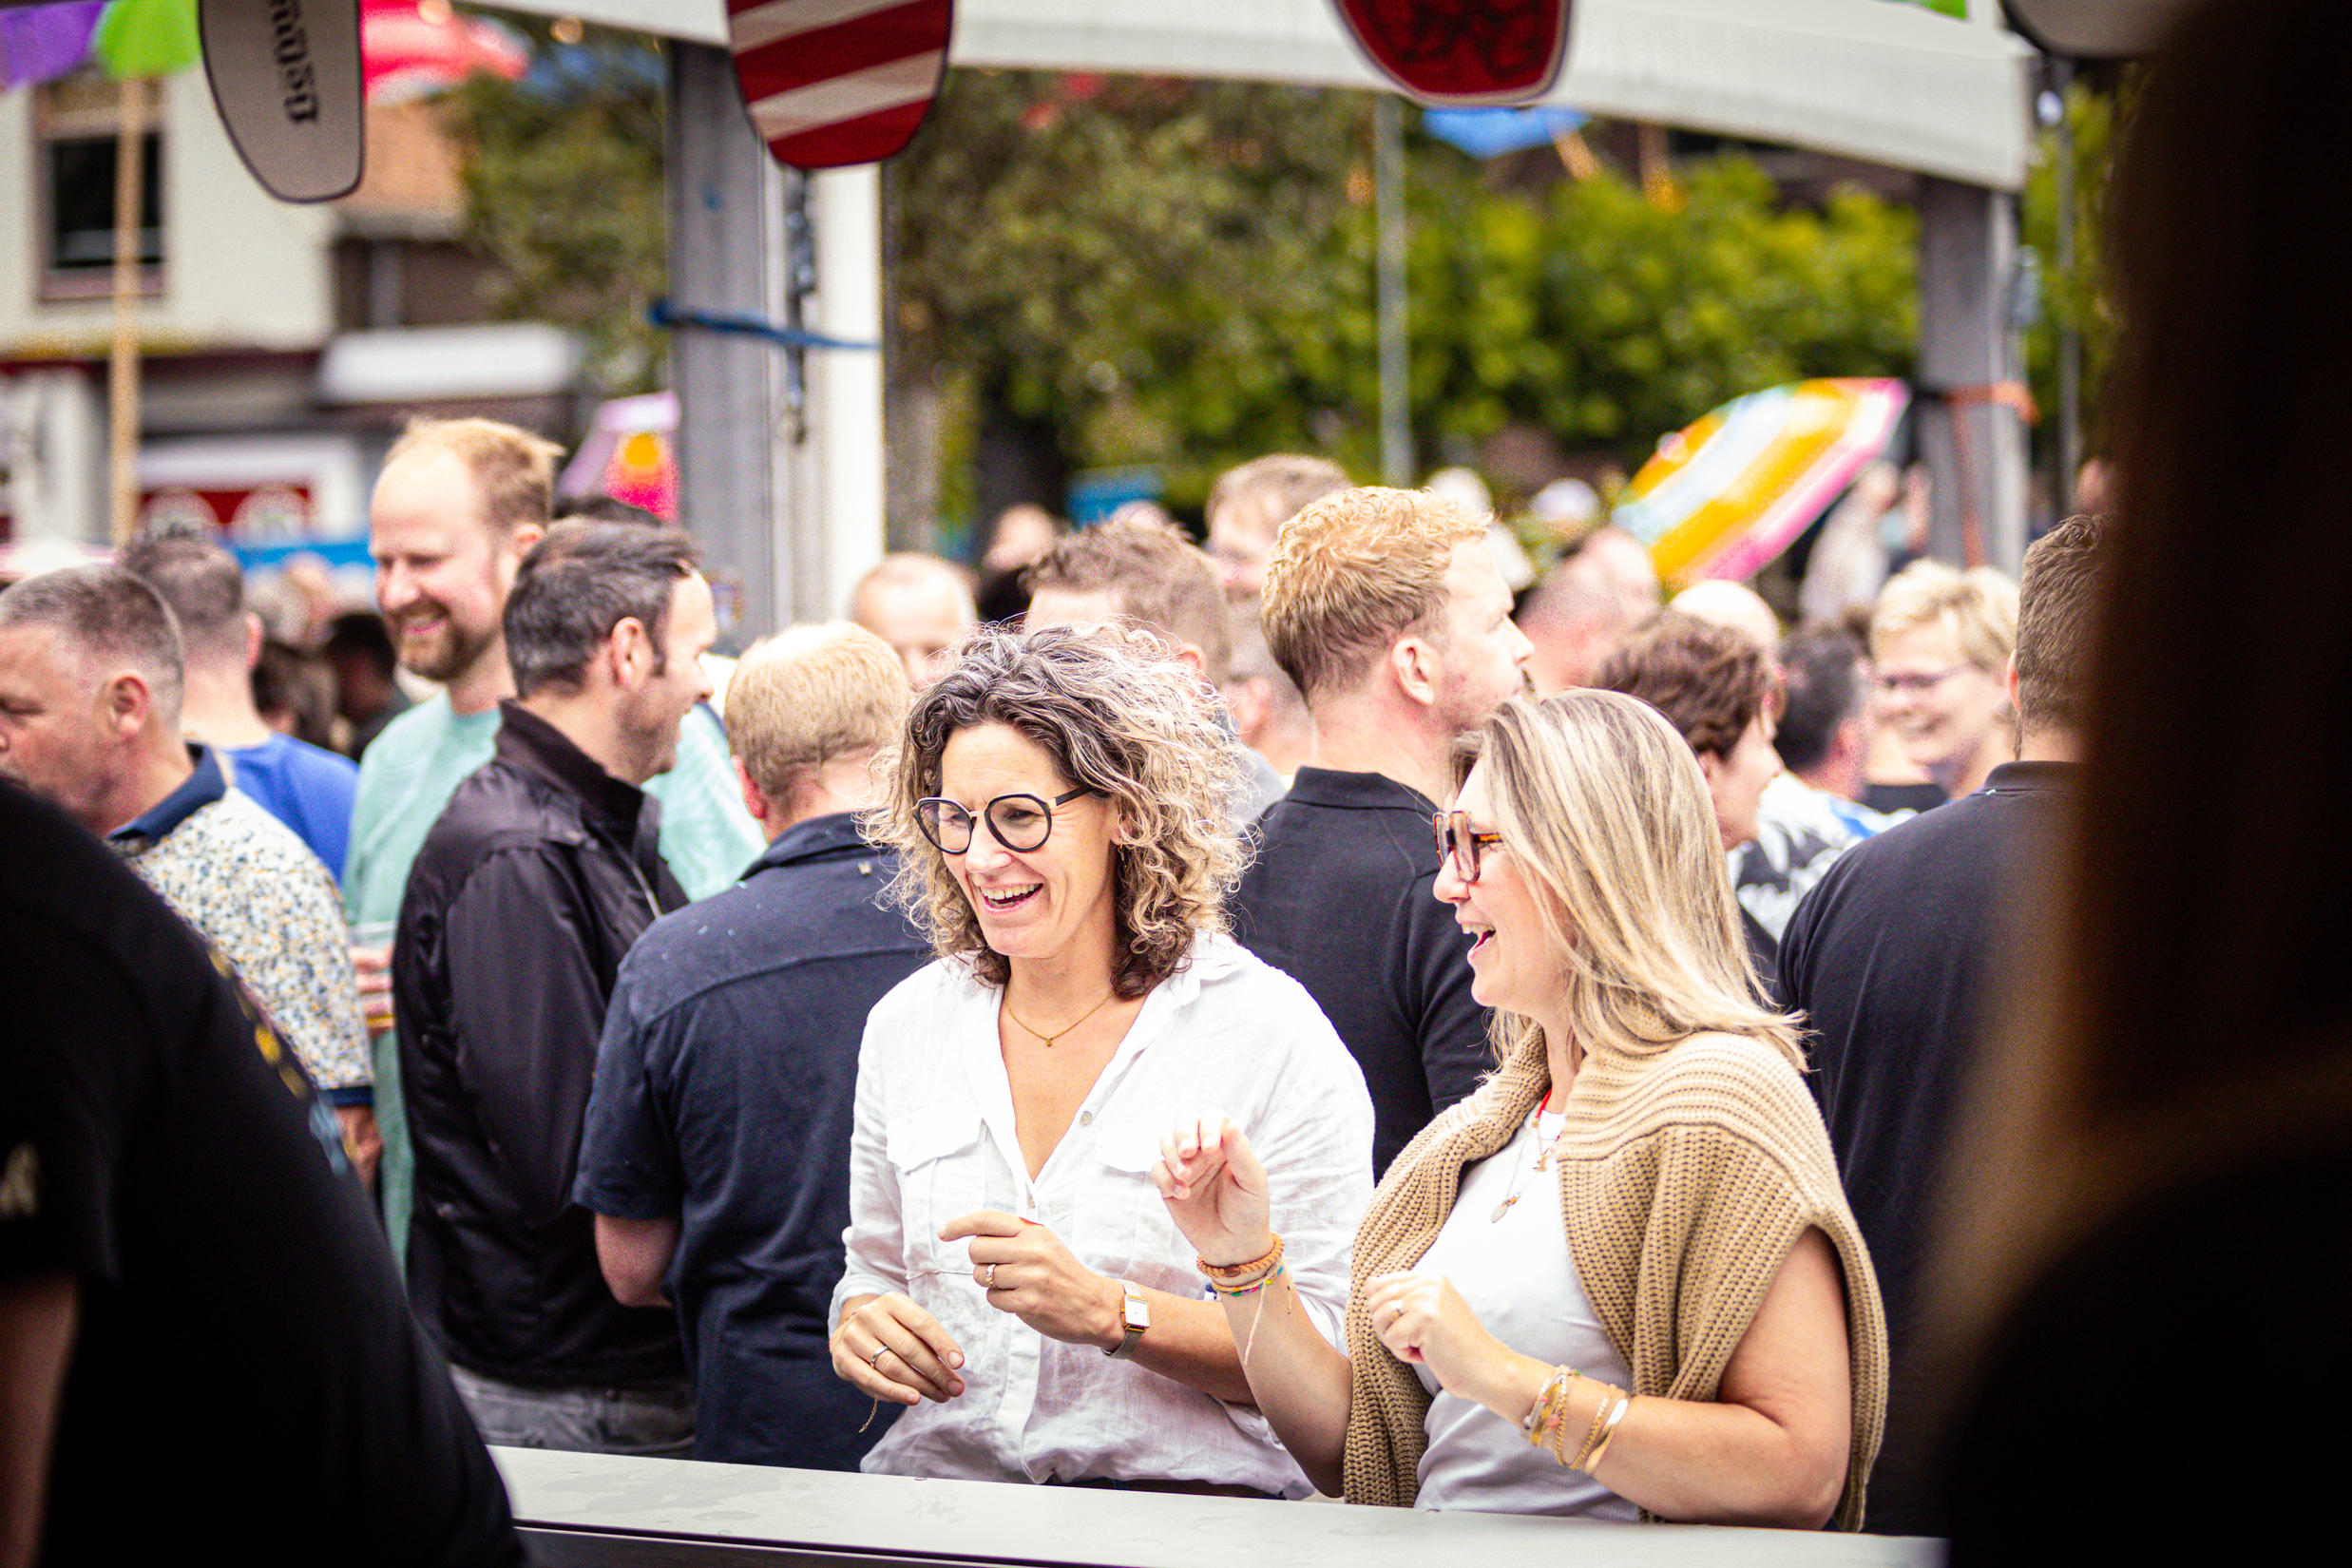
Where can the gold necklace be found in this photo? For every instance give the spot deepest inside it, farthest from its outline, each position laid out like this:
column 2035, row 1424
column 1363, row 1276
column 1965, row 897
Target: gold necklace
column 1049, row 1038
column 1541, row 1160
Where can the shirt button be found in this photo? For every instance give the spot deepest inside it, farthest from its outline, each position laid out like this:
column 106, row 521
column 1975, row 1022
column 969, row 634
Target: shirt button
column 1085, row 1117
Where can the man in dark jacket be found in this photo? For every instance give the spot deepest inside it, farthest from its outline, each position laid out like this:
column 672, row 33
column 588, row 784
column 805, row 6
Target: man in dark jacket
column 1898, row 956
column 717, row 1151
column 542, row 871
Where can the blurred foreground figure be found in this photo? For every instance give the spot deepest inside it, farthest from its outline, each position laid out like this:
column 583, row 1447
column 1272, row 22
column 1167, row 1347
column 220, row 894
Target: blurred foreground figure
column 1150, row 574
column 1248, row 507
column 1385, row 607
column 921, row 606
column 526, row 896
column 2166, row 1137
column 1893, row 955
column 307, row 788
column 201, row 1339
column 716, row 1156
column 91, row 679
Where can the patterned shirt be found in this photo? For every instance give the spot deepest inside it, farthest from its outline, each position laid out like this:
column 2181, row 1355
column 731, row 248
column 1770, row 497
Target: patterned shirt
column 256, row 892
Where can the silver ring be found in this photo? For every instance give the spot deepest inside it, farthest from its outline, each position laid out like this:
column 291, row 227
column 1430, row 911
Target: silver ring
column 987, row 1277
column 875, row 1361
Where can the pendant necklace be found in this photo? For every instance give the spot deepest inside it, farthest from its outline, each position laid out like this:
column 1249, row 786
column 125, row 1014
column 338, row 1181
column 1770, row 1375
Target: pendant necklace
column 1049, row 1038
column 1542, row 1160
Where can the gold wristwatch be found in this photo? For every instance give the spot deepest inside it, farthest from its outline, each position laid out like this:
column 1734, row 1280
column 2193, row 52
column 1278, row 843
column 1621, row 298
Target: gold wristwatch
column 1136, row 1314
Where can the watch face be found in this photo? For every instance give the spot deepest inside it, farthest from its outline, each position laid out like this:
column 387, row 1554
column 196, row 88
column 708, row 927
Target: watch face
column 1139, row 1314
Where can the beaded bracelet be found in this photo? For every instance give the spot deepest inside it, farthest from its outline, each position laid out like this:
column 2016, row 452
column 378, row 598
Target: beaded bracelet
column 1548, row 1411
column 1236, row 1271
column 1252, row 1288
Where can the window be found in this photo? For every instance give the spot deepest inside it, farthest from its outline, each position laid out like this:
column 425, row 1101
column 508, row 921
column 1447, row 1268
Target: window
column 78, row 119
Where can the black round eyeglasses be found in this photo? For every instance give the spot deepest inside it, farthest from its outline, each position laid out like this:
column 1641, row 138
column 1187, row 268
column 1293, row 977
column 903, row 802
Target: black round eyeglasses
column 1020, row 822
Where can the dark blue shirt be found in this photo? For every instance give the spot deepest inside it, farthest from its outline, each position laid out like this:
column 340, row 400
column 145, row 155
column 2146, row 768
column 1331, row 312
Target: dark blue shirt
column 724, row 1089
column 308, row 790
column 1340, row 899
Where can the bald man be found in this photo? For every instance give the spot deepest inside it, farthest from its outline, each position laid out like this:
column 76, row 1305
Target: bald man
column 921, row 606
column 1735, row 607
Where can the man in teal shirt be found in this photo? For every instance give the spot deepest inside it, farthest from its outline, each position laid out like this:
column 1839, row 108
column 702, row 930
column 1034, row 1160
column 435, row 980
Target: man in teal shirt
column 457, row 505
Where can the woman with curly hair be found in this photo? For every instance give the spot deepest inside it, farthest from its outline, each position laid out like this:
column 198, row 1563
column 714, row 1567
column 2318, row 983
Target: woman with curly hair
column 1013, row 1278
column 1621, row 1279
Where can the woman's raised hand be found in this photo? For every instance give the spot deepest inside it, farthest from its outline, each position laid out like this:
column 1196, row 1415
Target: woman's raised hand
column 1216, row 1190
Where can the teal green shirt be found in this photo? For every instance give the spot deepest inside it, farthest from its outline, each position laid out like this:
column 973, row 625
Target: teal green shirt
column 406, row 779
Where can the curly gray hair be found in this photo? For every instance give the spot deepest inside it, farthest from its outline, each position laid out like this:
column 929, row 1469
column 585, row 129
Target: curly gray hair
column 1117, row 716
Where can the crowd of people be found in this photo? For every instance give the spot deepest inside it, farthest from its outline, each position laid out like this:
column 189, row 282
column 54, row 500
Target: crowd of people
column 1287, row 1018
column 1057, row 1025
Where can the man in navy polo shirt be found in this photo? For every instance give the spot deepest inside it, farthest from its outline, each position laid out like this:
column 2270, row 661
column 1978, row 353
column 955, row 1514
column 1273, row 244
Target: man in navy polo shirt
column 716, row 1156
column 1386, row 608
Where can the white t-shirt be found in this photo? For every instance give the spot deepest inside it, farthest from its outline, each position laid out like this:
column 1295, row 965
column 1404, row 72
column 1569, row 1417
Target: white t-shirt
column 1518, row 1276
column 934, row 1138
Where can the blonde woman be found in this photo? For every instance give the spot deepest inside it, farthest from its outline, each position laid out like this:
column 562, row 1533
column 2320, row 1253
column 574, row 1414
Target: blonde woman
column 1014, row 1280
column 1621, row 1280
column 1940, row 647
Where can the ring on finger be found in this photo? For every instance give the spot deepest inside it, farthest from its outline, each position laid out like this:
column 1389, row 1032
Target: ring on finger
column 987, row 1277
column 875, row 1361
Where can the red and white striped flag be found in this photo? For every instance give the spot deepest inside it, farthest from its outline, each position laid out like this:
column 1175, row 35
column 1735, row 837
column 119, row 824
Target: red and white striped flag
column 838, row 82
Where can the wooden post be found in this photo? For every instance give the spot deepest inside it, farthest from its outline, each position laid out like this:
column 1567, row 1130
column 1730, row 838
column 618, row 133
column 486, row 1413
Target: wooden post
column 122, row 361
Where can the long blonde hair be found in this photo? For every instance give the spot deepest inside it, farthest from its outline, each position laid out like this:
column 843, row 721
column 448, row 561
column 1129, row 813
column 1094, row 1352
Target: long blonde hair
column 1609, row 816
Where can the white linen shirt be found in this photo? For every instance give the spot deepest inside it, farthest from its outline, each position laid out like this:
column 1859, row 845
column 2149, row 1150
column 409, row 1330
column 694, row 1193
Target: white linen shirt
column 934, row 1139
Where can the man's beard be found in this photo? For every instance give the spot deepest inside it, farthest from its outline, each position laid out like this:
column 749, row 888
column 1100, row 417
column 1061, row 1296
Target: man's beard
column 445, row 655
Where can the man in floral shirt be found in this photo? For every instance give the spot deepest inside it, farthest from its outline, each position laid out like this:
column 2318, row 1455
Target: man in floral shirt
column 90, row 673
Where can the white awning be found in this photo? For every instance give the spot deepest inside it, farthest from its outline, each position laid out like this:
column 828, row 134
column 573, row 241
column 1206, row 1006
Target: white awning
column 1890, row 84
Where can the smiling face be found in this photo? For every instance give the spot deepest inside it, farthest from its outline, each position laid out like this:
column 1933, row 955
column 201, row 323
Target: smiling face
column 1039, row 904
column 1942, row 706
column 442, row 570
column 1514, row 962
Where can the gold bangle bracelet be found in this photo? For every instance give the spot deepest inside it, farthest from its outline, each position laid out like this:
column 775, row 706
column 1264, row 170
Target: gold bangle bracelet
column 1609, row 1436
column 1591, row 1433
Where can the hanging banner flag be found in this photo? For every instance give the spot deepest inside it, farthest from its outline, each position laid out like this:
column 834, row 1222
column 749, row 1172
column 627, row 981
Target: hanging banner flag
column 832, row 83
column 1463, row 53
column 285, row 76
column 1726, row 495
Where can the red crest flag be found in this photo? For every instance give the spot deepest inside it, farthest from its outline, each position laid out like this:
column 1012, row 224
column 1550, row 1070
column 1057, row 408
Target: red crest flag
column 1463, row 53
column 831, row 83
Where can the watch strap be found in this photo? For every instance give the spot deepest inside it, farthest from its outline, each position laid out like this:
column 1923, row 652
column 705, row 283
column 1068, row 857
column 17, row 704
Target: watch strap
column 1137, row 1315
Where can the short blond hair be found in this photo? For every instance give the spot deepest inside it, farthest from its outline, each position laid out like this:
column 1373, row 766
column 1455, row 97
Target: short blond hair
column 513, row 470
column 1980, row 606
column 1159, row 578
column 1283, row 485
column 1351, row 574
column 801, row 698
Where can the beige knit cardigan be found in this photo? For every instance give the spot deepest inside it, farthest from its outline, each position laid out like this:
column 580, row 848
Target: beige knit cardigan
column 1685, row 1178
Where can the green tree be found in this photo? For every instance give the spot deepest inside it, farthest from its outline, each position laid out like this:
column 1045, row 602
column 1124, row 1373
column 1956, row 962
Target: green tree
column 563, row 185
column 2075, row 296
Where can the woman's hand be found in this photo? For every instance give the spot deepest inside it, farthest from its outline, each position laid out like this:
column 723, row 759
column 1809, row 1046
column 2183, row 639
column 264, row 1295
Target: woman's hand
column 1028, row 1272
column 1216, row 1190
column 917, row 1358
column 1423, row 1318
